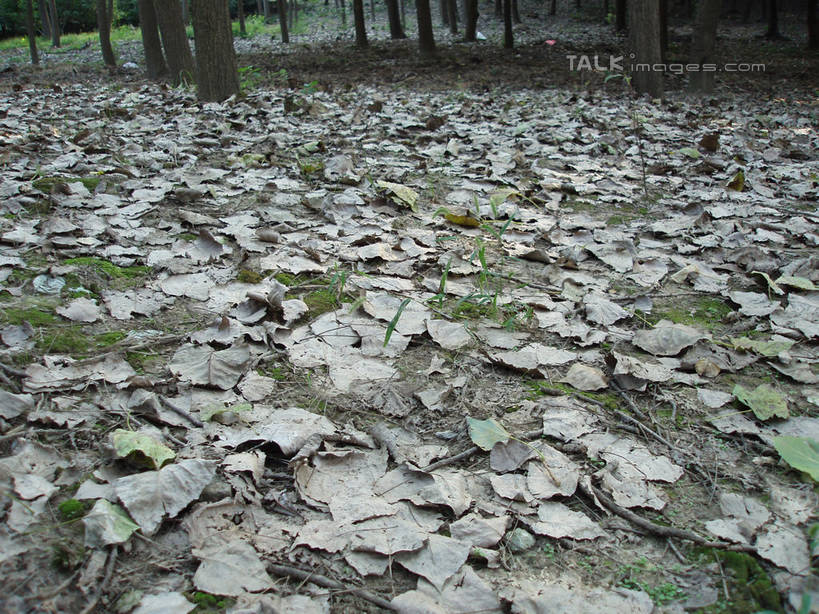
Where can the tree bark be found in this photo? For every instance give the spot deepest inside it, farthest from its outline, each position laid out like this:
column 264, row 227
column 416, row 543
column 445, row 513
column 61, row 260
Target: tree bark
column 664, row 28
column 240, row 10
column 343, row 5
column 813, row 25
column 45, row 20
column 703, row 45
column 471, row 25
column 104, row 27
column 186, row 17
column 499, row 9
column 394, row 18
column 32, row 34
column 773, row 21
column 515, row 12
column 508, row 35
column 452, row 11
column 155, row 65
column 442, row 9
column 281, row 8
column 426, row 39
column 360, row 27
column 54, row 19
column 217, row 77
column 175, row 40
column 644, row 41
column 620, row 17
column 553, row 8
column 266, row 4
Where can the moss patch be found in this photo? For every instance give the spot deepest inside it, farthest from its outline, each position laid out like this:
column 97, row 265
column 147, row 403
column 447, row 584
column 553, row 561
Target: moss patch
column 539, row 388
column 319, row 302
column 47, row 184
column 71, row 340
column 749, row 585
column 36, row 316
column 246, row 276
column 706, row 313
column 111, row 270
column 108, row 339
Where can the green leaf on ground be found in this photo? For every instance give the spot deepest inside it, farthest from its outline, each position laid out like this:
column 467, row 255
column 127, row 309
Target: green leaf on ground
column 394, row 321
column 766, row 348
column 802, row 283
column 800, row 453
column 401, row 193
column 486, row 433
column 763, row 400
column 690, row 152
column 107, row 524
column 141, row 449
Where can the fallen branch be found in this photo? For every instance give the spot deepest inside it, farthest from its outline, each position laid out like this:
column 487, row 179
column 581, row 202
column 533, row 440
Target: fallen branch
column 109, row 571
column 12, row 370
column 658, row 529
column 324, row 581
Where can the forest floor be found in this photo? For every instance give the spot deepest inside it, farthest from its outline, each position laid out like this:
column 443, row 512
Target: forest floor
column 473, row 334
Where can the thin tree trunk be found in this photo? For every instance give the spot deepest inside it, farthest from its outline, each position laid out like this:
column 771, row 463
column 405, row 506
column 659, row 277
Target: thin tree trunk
column 499, row 9
column 403, row 13
column 360, row 27
column 813, row 25
column 104, row 26
column 54, row 20
column 292, row 9
column 515, row 12
column 773, row 21
column 703, row 45
column 426, row 39
column 452, row 10
column 444, row 12
column 372, row 10
column 394, row 18
column 259, row 7
column 281, row 8
column 508, row 35
column 175, row 41
column 343, row 5
column 155, row 66
column 240, row 10
column 32, row 34
column 553, row 8
column 471, row 26
column 217, row 77
column 266, row 4
column 664, row 28
column 644, row 42
column 186, row 16
column 45, row 19
column 620, row 18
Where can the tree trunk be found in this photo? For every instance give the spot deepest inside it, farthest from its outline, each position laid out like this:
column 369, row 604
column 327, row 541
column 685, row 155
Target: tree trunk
column 54, row 19
column 553, row 8
column 444, row 12
column 44, row 18
column 32, row 34
column 186, row 16
column 155, row 66
column 343, row 5
column 813, row 25
column 403, row 8
column 104, row 27
column 508, row 36
column 372, row 10
column 620, row 18
column 452, row 10
column 292, row 11
column 281, row 9
column 240, row 9
column 471, row 26
column 515, row 12
column 703, row 45
column 426, row 39
column 175, row 41
column 266, row 4
column 773, row 21
column 216, row 75
column 259, row 7
column 664, row 28
column 644, row 43
column 499, row 9
column 360, row 28
column 394, row 17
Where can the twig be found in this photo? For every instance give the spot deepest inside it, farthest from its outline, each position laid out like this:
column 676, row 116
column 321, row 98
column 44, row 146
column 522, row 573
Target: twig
column 676, row 552
column 324, row 581
column 181, row 412
column 12, row 370
column 109, row 571
column 658, row 529
column 451, row 460
column 8, row 382
column 628, row 401
column 381, row 433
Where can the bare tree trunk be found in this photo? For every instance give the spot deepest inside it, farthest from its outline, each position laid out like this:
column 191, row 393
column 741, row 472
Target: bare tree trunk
column 813, row 25
column 620, row 19
column 292, row 9
column 452, row 10
column 54, row 20
column 175, row 40
column 444, row 12
column 343, row 5
column 45, row 19
column 281, row 7
column 266, row 4
column 360, row 27
column 372, row 10
column 426, row 39
column 394, row 18
column 471, row 26
column 515, row 12
column 508, row 35
column 499, row 9
column 240, row 10
column 32, row 34
column 186, row 16
column 553, row 8
column 259, row 7
column 663, row 28
column 155, row 66
column 104, row 26
column 403, row 13
column 773, row 21
column 703, row 45
column 216, row 75
column 644, row 42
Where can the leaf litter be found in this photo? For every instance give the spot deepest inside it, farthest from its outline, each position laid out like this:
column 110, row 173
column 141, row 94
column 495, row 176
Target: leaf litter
column 542, row 340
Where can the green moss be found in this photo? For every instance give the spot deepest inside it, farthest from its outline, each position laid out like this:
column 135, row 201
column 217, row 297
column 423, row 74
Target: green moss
column 706, row 313
column 36, row 316
column 46, row 184
column 246, row 276
column 539, row 388
column 107, row 339
column 71, row 340
column 207, row 603
column 188, row 236
column 749, row 585
column 111, row 270
column 289, row 280
column 71, row 509
column 319, row 302
column 66, row 555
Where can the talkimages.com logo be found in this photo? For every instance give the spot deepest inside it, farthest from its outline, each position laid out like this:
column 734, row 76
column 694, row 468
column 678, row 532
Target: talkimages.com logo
column 615, row 64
